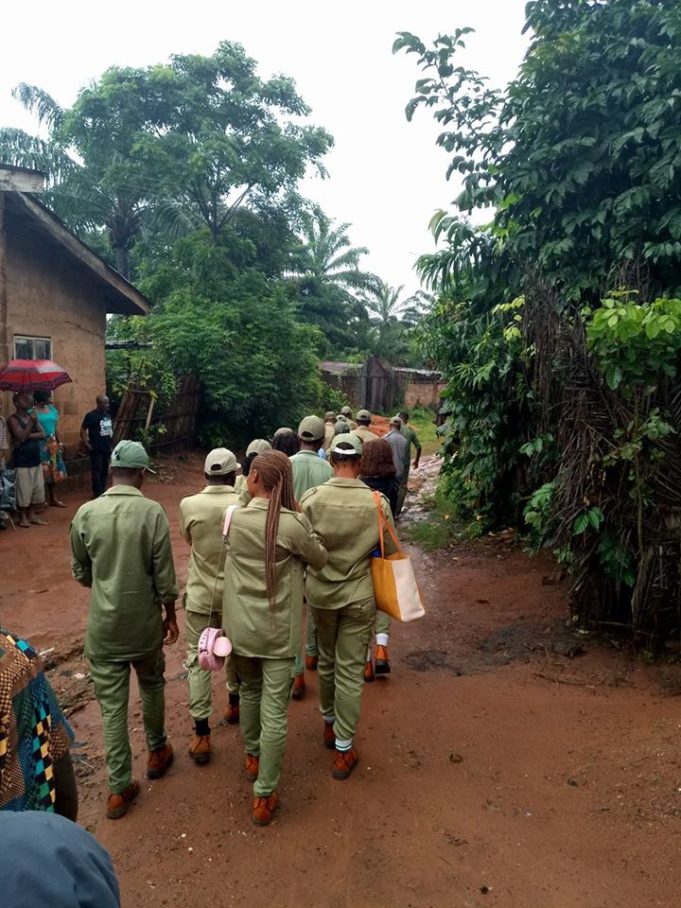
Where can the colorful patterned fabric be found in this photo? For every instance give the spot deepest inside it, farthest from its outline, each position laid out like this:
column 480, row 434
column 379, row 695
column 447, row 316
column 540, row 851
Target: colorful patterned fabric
column 34, row 734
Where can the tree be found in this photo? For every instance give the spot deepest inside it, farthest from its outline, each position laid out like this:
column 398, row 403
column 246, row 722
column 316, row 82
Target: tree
column 329, row 281
column 170, row 148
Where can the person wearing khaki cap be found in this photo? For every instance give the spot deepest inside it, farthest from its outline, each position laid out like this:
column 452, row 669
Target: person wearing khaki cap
column 309, row 470
column 120, row 548
column 342, row 512
column 257, row 446
column 363, row 431
column 347, row 413
column 329, row 423
column 201, row 517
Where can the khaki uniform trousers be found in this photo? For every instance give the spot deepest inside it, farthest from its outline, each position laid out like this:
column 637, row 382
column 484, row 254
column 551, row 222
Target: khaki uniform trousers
column 199, row 681
column 343, row 636
column 310, row 641
column 112, row 689
column 265, row 697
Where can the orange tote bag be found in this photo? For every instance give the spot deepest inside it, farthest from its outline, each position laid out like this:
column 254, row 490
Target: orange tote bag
column 395, row 588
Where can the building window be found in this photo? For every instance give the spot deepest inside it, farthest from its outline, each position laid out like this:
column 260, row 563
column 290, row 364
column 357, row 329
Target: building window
column 32, row 347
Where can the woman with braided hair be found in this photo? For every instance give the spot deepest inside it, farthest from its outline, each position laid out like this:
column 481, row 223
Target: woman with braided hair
column 269, row 545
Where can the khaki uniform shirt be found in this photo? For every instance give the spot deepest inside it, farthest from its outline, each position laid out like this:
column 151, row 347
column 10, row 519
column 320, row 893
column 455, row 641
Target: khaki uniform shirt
column 329, row 430
column 201, row 520
column 309, row 470
column 255, row 627
column 365, row 434
column 120, row 547
column 343, row 514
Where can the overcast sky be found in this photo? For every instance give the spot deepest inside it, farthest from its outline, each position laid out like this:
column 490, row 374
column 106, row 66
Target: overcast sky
column 386, row 177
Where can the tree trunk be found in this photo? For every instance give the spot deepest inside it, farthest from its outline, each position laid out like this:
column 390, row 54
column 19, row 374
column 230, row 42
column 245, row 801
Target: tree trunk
column 123, row 261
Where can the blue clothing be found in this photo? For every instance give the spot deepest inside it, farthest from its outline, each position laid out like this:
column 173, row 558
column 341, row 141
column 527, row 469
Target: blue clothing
column 46, row 859
column 48, row 421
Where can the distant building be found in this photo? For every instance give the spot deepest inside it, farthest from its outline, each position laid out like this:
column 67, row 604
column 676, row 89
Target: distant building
column 55, row 294
column 379, row 387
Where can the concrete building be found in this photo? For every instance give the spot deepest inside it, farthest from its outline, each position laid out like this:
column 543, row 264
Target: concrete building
column 55, row 294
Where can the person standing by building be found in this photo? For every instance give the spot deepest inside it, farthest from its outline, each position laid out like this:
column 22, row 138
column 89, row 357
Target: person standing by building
column 26, row 435
column 96, row 434
column 309, row 470
column 413, row 440
column 363, row 431
column 269, row 546
column 400, row 449
column 120, row 548
column 343, row 513
column 51, row 448
column 201, row 519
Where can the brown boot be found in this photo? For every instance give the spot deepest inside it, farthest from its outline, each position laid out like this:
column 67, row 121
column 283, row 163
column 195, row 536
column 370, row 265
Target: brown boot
column 346, row 760
column 263, row 809
column 117, row 804
column 298, row 691
column 368, row 672
column 159, row 762
column 252, row 767
column 232, row 711
column 311, row 663
column 200, row 749
column 381, row 661
column 329, row 738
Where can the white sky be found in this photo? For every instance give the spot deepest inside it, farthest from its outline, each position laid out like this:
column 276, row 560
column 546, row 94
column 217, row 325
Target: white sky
column 386, row 176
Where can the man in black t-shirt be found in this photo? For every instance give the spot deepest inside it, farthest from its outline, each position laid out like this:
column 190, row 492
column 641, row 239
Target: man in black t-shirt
column 96, row 434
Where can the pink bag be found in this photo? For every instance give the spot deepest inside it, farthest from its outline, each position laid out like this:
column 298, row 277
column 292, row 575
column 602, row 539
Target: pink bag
column 214, row 646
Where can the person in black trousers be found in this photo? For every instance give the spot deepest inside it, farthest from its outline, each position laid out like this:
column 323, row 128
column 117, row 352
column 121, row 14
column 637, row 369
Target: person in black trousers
column 96, row 434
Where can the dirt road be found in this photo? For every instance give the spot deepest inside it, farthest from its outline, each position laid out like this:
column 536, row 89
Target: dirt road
column 493, row 770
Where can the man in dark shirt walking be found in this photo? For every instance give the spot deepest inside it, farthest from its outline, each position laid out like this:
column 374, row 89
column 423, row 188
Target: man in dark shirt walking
column 96, row 434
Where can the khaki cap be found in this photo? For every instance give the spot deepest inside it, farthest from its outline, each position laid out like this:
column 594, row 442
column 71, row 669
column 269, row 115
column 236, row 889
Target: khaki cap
column 220, row 462
column 341, row 427
column 353, row 440
column 311, row 428
column 329, row 415
column 346, row 411
column 396, row 421
column 283, row 430
column 130, row 455
column 363, row 414
column 258, row 446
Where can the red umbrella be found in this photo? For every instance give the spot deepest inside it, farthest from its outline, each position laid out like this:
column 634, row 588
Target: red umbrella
column 32, row 375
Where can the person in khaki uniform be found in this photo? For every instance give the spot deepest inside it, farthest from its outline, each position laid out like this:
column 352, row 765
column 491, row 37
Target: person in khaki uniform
column 257, row 446
column 413, row 439
column 201, row 519
column 363, row 431
column 329, row 423
column 269, row 546
column 309, row 470
column 343, row 513
column 120, row 548
column 346, row 413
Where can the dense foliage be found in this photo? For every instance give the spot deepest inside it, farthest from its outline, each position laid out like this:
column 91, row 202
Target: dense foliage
column 562, row 385
column 184, row 176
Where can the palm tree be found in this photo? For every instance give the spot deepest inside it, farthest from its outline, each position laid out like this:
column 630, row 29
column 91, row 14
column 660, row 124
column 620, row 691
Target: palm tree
column 84, row 194
column 325, row 268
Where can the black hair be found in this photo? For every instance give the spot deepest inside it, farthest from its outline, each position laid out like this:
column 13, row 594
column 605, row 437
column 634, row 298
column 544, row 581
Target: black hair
column 248, row 460
column 41, row 397
column 286, row 442
column 351, row 456
column 404, row 416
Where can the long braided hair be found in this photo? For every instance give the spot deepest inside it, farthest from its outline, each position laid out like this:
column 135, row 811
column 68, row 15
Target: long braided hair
column 274, row 469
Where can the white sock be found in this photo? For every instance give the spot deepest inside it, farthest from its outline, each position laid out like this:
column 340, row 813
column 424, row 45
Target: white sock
column 368, row 654
column 343, row 745
column 329, row 719
column 382, row 639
